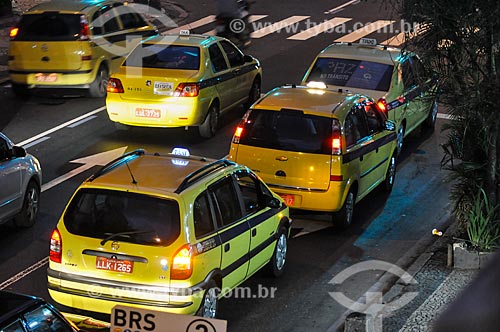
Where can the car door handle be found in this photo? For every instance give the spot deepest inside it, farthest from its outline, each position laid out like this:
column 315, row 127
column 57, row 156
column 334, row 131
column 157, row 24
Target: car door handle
column 227, row 246
column 254, row 232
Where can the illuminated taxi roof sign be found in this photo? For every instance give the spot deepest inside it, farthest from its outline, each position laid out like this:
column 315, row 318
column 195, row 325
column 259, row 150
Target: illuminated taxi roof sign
column 181, row 152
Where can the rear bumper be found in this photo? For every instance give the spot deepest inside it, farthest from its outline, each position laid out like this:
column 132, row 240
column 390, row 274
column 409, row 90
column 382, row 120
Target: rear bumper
column 99, row 295
column 73, row 79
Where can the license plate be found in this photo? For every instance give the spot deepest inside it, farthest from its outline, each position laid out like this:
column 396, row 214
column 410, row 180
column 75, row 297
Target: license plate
column 147, row 113
column 163, row 88
column 40, row 77
column 112, row 264
column 289, row 199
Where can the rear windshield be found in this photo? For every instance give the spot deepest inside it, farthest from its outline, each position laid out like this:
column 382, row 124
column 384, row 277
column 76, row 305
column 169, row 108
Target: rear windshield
column 164, row 56
column 350, row 73
column 288, row 130
column 49, row 27
column 124, row 216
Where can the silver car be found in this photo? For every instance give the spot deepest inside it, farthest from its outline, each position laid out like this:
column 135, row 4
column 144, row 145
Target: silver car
column 20, row 180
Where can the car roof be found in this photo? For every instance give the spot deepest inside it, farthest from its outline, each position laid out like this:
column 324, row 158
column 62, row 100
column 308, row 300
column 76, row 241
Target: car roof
column 315, row 101
column 11, row 304
column 69, row 5
column 154, row 174
column 376, row 53
column 177, row 39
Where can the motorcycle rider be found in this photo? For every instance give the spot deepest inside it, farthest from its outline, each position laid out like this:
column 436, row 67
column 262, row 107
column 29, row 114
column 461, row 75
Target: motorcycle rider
column 228, row 12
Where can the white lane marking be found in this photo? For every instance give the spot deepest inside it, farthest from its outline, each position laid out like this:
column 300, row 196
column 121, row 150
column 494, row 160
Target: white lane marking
column 341, row 7
column 320, row 28
column 76, row 124
column 395, row 40
column 24, row 273
column 193, row 25
column 251, row 19
column 36, row 142
column 50, row 131
column 277, row 26
column 364, row 31
column 444, row 116
column 310, row 226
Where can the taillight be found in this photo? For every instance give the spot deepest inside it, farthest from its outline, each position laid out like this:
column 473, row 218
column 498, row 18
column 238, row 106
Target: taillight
column 55, row 247
column 336, row 141
column 13, row 32
column 382, row 105
column 182, row 264
column 186, row 90
column 114, row 86
column 237, row 134
column 84, row 28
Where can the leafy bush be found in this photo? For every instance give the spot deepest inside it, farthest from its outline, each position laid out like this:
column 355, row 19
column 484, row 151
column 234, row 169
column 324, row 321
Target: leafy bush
column 482, row 224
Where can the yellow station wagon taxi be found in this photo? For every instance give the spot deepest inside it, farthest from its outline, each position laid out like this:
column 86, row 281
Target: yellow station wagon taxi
column 397, row 79
column 319, row 149
column 165, row 232
column 182, row 81
column 73, row 44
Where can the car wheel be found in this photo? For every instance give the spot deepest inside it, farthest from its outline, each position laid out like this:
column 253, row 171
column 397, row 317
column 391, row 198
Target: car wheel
column 343, row 217
column 390, row 175
column 97, row 88
column 208, row 306
column 254, row 93
column 430, row 122
column 209, row 126
column 20, row 90
column 27, row 216
column 278, row 260
column 400, row 138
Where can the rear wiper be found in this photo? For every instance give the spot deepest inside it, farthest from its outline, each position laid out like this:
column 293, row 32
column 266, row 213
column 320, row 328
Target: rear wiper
column 122, row 234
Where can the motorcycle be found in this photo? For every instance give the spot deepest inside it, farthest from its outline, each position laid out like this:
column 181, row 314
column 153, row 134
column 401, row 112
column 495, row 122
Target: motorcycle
column 236, row 27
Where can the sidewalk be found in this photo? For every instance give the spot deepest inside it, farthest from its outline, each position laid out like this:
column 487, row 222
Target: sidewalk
column 170, row 9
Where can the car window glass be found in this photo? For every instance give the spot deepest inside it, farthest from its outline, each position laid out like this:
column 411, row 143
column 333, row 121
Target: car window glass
column 227, row 202
column 104, row 21
column 351, row 131
column 250, row 192
column 45, row 320
column 130, row 19
column 49, row 26
column 13, row 327
column 409, row 79
column 234, row 56
column 99, row 213
column 217, row 58
column 164, row 57
column 4, row 149
column 202, row 216
column 374, row 119
column 419, row 70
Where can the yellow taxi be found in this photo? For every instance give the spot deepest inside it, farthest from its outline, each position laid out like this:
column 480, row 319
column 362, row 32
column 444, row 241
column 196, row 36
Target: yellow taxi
column 165, row 232
column 320, row 150
column 73, row 44
column 398, row 80
column 182, row 81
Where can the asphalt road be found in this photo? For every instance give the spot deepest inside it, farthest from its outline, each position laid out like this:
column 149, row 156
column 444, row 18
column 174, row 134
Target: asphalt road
column 386, row 227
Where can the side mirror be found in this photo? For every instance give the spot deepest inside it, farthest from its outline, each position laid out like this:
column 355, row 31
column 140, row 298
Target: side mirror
column 18, row 152
column 389, row 125
column 247, row 58
column 272, row 202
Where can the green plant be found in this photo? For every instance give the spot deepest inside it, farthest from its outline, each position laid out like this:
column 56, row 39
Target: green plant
column 482, row 225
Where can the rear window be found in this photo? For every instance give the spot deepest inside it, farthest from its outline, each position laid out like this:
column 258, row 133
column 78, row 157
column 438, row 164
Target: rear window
column 350, row 73
column 128, row 217
column 288, row 130
column 164, row 56
column 49, row 27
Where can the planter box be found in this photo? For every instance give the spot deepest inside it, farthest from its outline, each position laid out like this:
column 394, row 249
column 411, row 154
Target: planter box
column 467, row 259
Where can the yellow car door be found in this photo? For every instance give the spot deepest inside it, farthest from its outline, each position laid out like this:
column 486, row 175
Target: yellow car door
column 223, row 75
column 242, row 76
column 234, row 233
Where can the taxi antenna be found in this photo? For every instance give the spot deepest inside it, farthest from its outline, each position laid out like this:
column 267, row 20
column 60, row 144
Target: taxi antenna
column 131, row 174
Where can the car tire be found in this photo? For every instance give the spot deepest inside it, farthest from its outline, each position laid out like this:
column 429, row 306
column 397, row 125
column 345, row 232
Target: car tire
column 97, row 88
column 390, row 175
column 210, row 301
column 400, row 136
column 31, row 204
column 208, row 128
column 20, row 90
column 122, row 127
column 430, row 122
column 343, row 217
column 254, row 93
column 276, row 265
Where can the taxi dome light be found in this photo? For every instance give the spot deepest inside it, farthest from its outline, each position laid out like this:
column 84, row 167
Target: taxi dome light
column 181, row 152
column 184, row 32
column 316, row 85
column 368, row 41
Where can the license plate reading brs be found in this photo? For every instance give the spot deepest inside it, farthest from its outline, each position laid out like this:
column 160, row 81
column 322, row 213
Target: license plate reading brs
column 112, row 264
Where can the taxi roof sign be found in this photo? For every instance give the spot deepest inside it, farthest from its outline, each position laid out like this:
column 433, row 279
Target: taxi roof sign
column 368, row 41
column 181, row 152
column 184, row 32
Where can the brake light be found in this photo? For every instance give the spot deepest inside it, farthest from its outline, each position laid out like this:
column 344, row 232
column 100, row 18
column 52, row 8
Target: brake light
column 114, row 86
column 86, row 57
column 84, row 28
column 382, row 105
column 237, row 135
column 55, row 247
column 336, row 178
column 186, row 90
column 182, row 266
column 13, row 32
column 336, row 141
